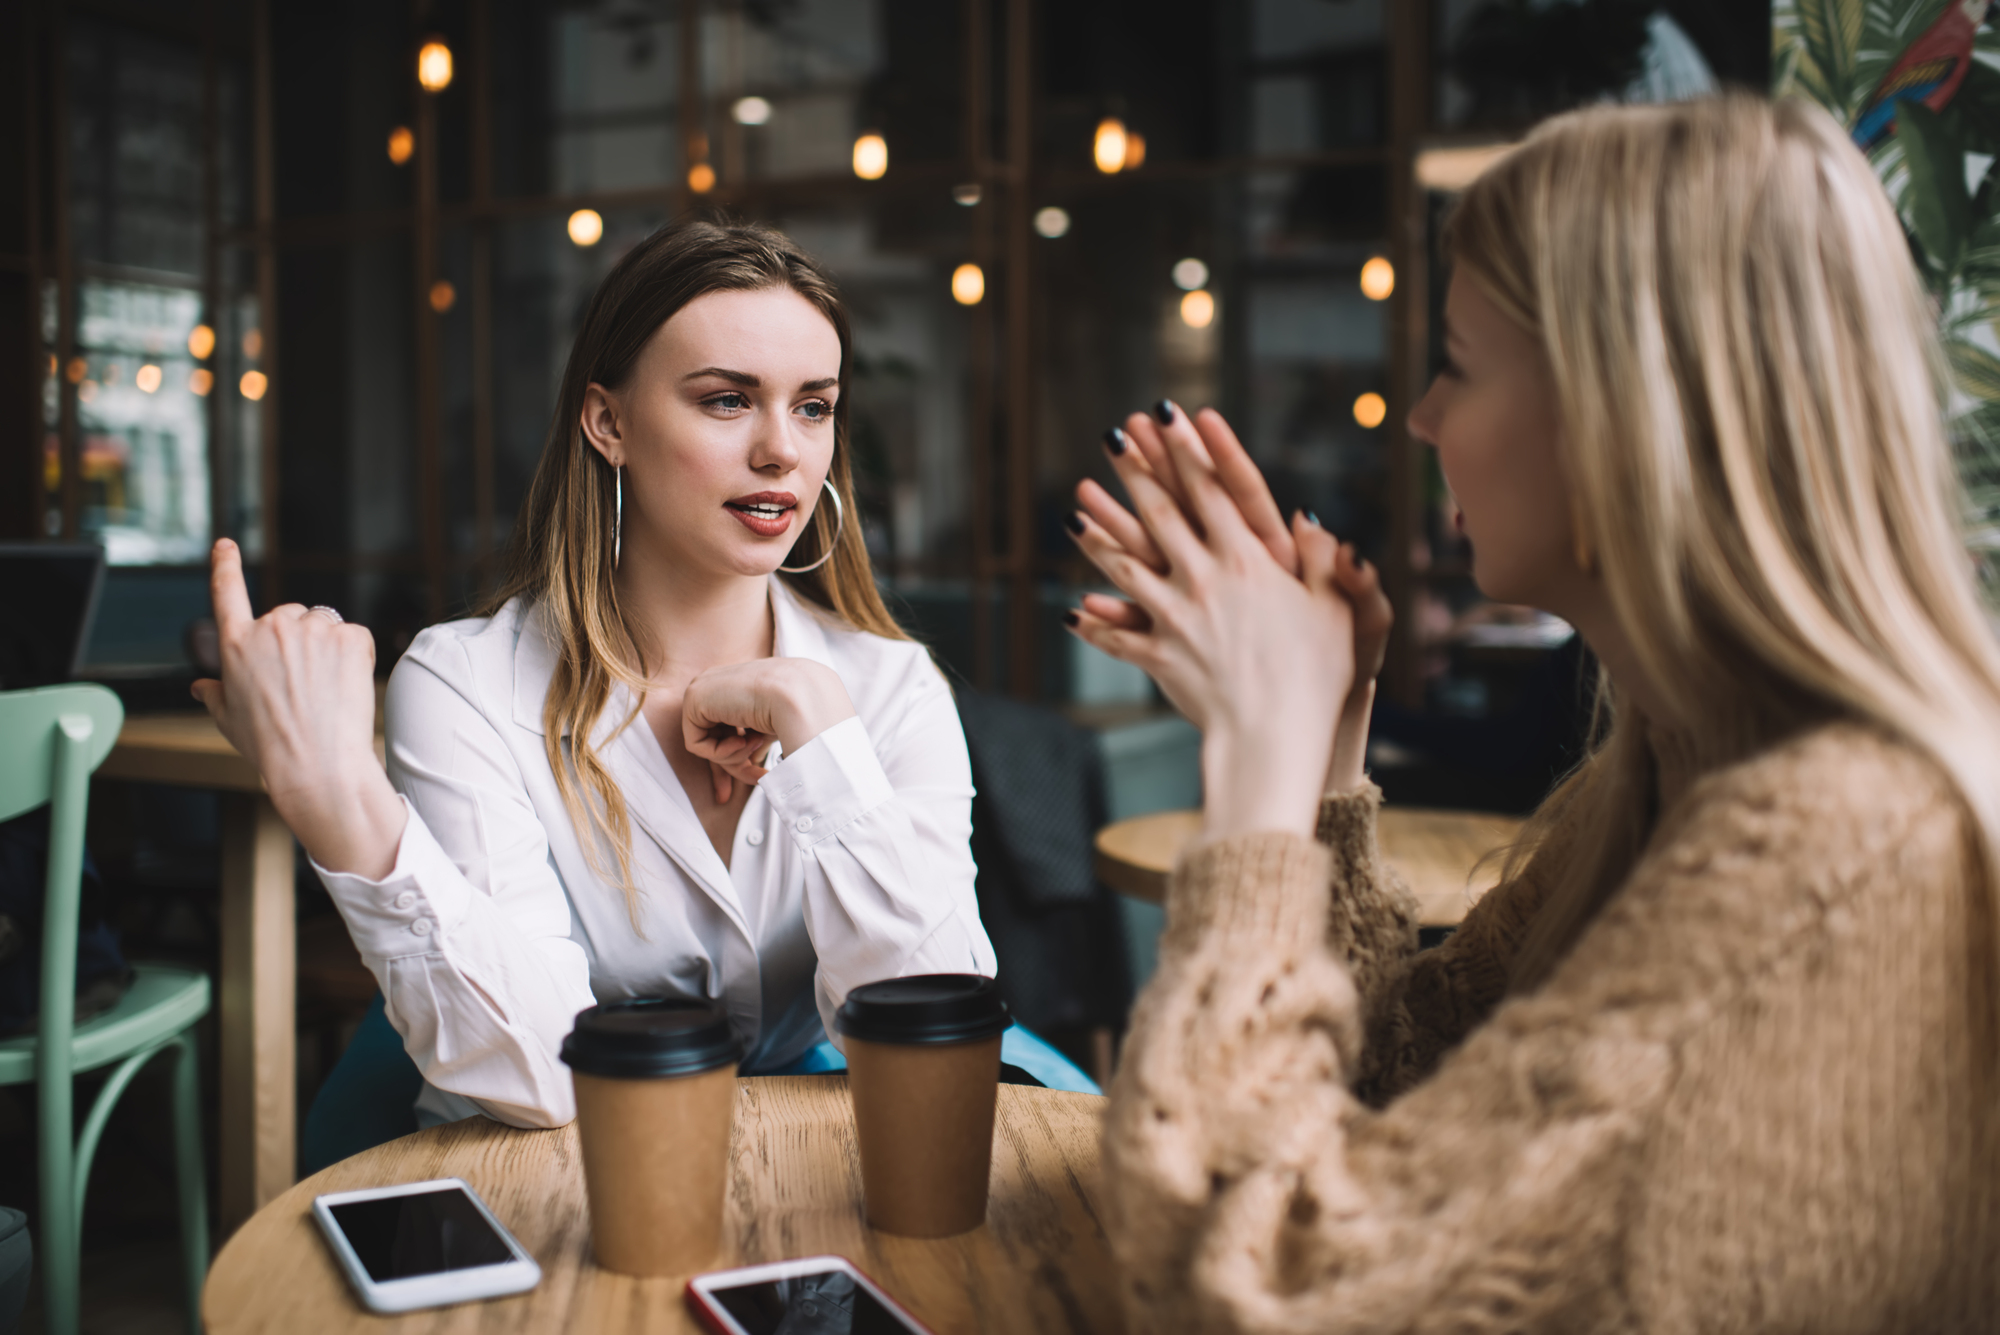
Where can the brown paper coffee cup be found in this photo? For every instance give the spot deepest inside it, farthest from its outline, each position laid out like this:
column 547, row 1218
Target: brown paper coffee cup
column 924, row 1116
column 656, row 1166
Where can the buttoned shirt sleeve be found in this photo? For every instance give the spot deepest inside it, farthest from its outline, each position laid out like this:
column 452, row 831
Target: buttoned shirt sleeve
column 885, row 826
column 469, row 934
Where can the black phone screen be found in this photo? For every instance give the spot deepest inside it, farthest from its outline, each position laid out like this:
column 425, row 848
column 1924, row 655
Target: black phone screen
column 826, row 1303
column 420, row 1234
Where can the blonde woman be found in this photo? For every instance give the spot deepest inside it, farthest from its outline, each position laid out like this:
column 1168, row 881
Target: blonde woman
column 1721, row 1052
column 684, row 752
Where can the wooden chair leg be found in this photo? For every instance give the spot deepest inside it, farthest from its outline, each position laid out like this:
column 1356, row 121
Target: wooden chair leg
column 192, row 1174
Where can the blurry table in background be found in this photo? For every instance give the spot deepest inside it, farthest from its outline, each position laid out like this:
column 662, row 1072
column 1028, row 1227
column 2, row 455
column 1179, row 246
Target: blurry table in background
column 1040, row 1263
column 259, row 1109
column 1436, row 852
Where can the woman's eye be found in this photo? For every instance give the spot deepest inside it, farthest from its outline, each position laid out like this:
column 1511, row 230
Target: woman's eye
column 816, row 410
column 730, row 402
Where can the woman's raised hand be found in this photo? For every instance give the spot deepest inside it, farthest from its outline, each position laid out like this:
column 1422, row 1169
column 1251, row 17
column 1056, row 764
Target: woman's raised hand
column 1257, row 652
column 297, row 698
column 730, row 715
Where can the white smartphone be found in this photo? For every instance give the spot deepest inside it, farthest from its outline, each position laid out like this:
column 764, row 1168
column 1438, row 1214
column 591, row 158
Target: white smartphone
column 819, row 1295
column 422, row 1244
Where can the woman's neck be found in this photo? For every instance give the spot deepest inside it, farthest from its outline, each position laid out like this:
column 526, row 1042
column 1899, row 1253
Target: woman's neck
column 688, row 621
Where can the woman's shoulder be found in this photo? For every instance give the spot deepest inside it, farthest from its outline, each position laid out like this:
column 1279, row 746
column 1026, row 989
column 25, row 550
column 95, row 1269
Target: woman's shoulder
column 1835, row 780
column 461, row 655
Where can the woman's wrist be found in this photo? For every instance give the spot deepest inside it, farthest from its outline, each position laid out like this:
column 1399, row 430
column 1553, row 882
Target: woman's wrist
column 1257, row 785
column 1348, row 769
column 811, row 702
column 353, row 825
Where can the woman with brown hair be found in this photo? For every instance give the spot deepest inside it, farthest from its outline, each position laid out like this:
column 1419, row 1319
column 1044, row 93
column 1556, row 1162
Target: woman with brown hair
column 682, row 751
column 1721, row 1051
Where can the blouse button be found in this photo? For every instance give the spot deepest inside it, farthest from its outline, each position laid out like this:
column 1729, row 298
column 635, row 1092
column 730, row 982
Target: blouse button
column 422, row 927
column 754, row 838
column 804, row 823
column 406, row 900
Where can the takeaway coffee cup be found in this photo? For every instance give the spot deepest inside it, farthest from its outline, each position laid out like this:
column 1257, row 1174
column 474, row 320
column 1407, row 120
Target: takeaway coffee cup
column 923, row 1064
column 655, row 1094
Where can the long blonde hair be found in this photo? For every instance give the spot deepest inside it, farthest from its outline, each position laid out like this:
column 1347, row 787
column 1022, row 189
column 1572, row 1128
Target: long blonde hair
column 1751, row 394
column 560, row 560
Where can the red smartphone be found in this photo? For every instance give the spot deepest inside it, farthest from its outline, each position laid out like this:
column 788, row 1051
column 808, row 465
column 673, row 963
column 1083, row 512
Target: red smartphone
column 816, row 1295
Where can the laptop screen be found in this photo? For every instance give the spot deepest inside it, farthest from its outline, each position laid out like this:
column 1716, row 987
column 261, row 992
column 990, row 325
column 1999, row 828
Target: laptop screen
column 48, row 600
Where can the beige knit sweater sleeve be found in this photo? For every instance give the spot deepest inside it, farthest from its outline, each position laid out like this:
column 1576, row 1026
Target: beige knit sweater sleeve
column 1651, row 1127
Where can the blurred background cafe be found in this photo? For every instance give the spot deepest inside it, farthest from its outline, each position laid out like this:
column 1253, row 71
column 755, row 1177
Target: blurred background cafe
column 305, row 275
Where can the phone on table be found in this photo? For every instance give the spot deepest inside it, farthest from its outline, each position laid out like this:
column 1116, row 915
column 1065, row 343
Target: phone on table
column 819, row 1295
column 422, row 1244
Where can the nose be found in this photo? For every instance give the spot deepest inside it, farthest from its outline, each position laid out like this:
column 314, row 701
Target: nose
column 1422, row 421
column 773, row 448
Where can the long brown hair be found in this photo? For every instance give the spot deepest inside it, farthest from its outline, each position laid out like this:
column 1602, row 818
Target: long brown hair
column 560, row 559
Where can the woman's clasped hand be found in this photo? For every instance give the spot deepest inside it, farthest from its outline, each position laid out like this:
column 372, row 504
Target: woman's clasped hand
column 1267, row 635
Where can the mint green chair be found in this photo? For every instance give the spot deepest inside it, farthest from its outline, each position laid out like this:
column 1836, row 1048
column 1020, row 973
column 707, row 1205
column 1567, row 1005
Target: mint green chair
column 50, row 742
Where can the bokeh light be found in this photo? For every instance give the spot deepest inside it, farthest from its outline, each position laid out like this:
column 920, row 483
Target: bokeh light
column 871, row 157
column 968, row 284
column 701, row 178
column 200, row 381
column 1378, row 279
column 201, row 342
column 1190, row 274
column 751, row 110
column 1052, row 222
column 253, row 384
column 443, row 296
column 586, row 227
column 148, row 378
column 1370, row 410
column 253, row 343
column 434, row 66
column 1198, row 309
column 401, row 145
column 1107, row 149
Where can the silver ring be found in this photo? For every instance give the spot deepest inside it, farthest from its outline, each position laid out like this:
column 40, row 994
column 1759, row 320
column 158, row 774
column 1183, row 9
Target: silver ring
column 329, row 613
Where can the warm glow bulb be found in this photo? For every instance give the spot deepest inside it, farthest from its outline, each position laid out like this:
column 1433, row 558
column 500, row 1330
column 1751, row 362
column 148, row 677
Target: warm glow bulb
column 1052, row 222
column 1378, row 279
column 434, row 66
column 401, row 145
column 1370, row 409
column 1198, row 309
column 1108, row 149
column 148, row 379
column 586, row 227
column 443, row 296
column 751, row 110
column 253, row 384
column 201, row 342
column 200, row 381
column 701, row 178
column 871, row 157
column 968, row 284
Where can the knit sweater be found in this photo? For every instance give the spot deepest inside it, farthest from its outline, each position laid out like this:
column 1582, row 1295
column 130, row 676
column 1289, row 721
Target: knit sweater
column 1756, row 1095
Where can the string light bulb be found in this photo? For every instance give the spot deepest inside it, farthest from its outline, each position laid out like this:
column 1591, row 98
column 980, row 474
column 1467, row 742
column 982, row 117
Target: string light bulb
column 1378, row 279
column 434, row 66
column 1370, row 410
column 1107, row 149
column 968, row 284
column 871, row 157
column 586, row 227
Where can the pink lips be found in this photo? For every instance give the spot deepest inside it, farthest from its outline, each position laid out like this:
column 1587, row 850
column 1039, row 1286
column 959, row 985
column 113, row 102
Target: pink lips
column 766, row 513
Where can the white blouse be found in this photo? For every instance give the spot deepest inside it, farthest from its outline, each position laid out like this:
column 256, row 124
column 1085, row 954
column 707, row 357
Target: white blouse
column 851, row 863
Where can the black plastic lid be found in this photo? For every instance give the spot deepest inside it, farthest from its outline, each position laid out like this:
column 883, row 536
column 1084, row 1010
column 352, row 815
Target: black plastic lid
column 929, row 1008
column 651, row 1036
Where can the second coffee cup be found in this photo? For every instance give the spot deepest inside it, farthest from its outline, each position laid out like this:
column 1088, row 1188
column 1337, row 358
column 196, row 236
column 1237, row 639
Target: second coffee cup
column 655, row 1097
column 923, row 1060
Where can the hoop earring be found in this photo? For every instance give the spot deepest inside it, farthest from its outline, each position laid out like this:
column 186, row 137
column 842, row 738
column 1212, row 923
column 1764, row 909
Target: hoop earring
column 618, row 514
column 839, row 526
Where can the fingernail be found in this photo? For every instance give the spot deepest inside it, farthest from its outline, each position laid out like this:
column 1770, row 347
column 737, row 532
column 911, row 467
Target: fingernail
column 1072, row 620
column 1164, row 410
column 193, row 692
column 1114, row 440
column 1074, row 522
column 1313, row 519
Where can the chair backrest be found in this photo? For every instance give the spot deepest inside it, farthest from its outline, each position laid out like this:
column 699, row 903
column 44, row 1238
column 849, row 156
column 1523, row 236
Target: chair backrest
column 28, row 732
column 51, row 740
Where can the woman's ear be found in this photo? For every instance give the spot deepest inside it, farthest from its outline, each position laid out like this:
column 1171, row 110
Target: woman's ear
column 601, row 426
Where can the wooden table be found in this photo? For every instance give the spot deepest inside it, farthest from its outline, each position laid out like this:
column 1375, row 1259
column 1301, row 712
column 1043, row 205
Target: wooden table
column 259, row 1112
column 1040, row 1263
column 1437, row 852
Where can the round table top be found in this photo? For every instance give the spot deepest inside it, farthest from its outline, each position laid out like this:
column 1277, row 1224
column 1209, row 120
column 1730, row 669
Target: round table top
column 1439, row 854
column 1040, row 1262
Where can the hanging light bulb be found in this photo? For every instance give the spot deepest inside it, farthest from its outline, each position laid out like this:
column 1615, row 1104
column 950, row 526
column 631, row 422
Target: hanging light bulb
column 871, row 156
column 1108, row 148
column 968, row 284
column 434, row 66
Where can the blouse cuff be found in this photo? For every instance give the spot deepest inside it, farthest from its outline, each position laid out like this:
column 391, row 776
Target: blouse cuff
column 828, row 784
column 402, row 913
column 1270, row 887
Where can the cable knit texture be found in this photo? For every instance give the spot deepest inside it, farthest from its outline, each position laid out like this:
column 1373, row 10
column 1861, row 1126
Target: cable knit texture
column 1756, row 1095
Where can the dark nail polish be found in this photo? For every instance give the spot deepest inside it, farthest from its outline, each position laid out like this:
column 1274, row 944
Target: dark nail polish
column 1164, row 410
column 1114, row 440
column 1074, row 522
column 1072, row 620
column 1313, row 519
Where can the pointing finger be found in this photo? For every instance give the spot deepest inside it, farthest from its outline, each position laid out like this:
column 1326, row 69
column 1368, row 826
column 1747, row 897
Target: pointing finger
column 226, row 591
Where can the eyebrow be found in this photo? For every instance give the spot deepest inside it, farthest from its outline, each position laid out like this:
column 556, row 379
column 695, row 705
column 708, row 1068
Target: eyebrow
column 749, row 381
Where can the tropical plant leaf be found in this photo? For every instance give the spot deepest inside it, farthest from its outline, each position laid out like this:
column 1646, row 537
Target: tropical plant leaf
column 1831, row 33
column 1978, row 106
column 1940, row 210
column 1977, row 372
